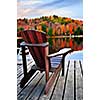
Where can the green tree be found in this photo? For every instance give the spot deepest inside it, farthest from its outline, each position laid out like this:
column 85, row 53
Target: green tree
column 78, row 40
column 78, row 31
column 50, row 31
column 44, row 27
column 55, row 16
column 50, row 42
column 21, row 28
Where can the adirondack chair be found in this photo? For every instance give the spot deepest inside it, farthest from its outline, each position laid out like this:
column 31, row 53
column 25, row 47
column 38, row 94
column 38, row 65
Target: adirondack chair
column 39, row 48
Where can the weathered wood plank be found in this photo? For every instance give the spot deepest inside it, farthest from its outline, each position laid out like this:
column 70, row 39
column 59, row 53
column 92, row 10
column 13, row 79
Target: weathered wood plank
column 58, row 92
column 62, row 89
column 66, row 69
column 74, row 80
column 52, row 79
column 49, row 95
column 20, row 68
column 37, row 91
column 69, row 89
column 79, row 82
column 67, row 63
column 80, row 62
column 20, row 75
column 19, row 79
column 19, row 90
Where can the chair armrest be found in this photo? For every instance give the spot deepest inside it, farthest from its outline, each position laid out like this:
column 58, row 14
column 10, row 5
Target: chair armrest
column 61, row 52
column 35, row 45
column 18, row 38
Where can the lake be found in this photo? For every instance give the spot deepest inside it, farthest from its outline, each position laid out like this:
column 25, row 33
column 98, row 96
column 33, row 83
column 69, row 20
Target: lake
column 76, row 55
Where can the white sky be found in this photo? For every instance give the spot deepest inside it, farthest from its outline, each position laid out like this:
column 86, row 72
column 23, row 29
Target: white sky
column 38, row 8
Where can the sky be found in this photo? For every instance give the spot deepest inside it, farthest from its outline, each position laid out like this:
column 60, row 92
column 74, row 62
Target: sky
column 38, row 8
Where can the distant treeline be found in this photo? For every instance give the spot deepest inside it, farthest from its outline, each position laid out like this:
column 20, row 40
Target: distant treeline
column 52, row 25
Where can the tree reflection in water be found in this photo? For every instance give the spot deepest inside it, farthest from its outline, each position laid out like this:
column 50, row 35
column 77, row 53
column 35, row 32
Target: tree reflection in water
column 56, row 44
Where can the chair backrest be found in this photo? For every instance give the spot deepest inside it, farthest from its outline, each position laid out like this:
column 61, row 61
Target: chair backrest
column 38, row 53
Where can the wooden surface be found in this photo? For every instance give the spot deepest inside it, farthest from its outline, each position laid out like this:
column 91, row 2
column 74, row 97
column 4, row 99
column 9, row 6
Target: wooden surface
column 67, row 87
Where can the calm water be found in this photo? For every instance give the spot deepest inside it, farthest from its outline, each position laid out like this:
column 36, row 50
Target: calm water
column 76, row 55
column 55, row 44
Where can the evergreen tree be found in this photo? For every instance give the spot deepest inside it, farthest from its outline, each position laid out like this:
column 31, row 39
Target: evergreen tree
column 50, row 31
column 44, row 27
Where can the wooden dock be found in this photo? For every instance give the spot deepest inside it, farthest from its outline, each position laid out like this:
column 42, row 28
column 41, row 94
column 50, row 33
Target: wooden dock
column 68, row 87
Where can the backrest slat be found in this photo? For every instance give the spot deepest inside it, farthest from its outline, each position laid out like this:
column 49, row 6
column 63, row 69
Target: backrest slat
column 38, row 53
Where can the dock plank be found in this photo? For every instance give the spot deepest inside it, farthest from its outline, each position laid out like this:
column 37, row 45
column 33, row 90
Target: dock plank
column 26, row 91
column 69, row 89
column 50, row 93
column 20, row 68
column 29, row 84
column 81, row 63
column 37, row 91
column 57, row 95
column 79, row 82
column 20, row 75
column 62, row 89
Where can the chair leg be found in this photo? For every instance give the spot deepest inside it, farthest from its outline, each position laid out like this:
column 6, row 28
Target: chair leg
column 28, row 75
column 47, row 69
column 64, row 59
column 63, row 66
column 47, row 76
column 51, row 80
column 24, row 61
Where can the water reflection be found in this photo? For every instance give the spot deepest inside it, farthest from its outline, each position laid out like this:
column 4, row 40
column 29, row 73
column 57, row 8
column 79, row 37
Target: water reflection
column 58, row 42
column 55, row 44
